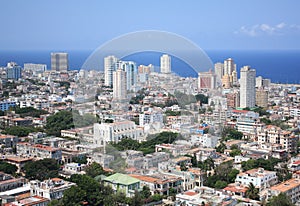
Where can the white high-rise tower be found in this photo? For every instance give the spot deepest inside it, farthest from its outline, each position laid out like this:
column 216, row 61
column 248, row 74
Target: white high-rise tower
column 247, row 87
column 165, row 64
column 131, row 72
column 119, row 85
column 109, row 68
column 229, row 66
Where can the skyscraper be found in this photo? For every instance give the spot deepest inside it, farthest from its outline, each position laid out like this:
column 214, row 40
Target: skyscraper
column 59, row 61
column 219, row 70
column 13, row 71
column 229, row 66
column 109, row 68
column 207, row 80
column 119, row 85
column 247, row 87
column 165, row 64
column 131, row 72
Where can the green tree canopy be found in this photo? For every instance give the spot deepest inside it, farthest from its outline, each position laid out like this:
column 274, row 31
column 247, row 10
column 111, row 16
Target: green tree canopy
column 41, row 169
column 282, row 199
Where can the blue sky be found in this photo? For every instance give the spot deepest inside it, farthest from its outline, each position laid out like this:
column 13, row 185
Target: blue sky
column 211, row 24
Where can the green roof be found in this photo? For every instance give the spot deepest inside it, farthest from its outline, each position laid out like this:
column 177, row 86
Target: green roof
column 122, row 179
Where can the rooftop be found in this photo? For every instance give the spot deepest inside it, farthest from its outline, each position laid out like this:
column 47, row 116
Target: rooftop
column 122, row 179
column 287, row 185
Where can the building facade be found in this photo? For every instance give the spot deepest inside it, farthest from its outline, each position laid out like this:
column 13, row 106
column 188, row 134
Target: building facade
column 247, row 87
column 59, row 61
column 165, row 64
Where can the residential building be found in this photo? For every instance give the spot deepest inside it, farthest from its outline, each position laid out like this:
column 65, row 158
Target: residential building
column 13, row 71
column 247, row 87
column 8, row 182
column 262, row 98
column 51, row 188
column 35, row 68
column 109, row 68
column 123, row 183
column 131, row 72
column 159, row 184
column 30, row 201
column 119, row 84
column 8, row 140
column 219, row 70
column 5, row 105
column 59, row 61
column 207, row 80
column 165, row 64
column 38, row 151
column 259, row 177
column 290, row 187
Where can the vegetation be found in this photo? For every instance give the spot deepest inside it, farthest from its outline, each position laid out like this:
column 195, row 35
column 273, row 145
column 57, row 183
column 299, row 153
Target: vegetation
column 8, row 168
column 202, row 98
column 29, row 111
column 229, row 133
column 94, row 170
column 67, row 120
column 80, row 159
column 252, row 192
column 20, row 131
column 224, row 174
column 41, row 169
column 281, row 200
column 267, row 164
column 277, row 123
column 148, row 146
column 172, row 113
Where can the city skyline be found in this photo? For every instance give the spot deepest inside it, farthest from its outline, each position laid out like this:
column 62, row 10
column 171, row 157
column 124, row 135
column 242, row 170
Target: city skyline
column 211, row 25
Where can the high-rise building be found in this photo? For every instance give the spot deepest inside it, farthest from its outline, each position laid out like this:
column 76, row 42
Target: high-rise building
column 219, row 70
column 262, row 98
column 35, row 68
column 59, row 61
column 119, row 84
column 226, row 81
column 229, row 66
column 109, row 68
column 13, row 71
column 131, row 72
column 233, row 100
column 165, row 64
column 207, row 80
column 247, row 87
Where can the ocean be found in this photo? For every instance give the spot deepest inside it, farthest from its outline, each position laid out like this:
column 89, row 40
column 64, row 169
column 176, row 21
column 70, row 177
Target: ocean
column 281, row 66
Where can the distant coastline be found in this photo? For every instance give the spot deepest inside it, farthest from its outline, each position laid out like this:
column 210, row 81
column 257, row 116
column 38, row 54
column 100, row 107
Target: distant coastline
column 281, row 66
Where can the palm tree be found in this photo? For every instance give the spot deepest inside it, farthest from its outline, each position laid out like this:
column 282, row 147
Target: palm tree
column 252, row 192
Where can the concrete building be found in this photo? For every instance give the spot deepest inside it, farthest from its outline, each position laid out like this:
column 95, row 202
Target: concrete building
column 8, row 140
column 275, row 135
column 123, row 183
column 262, row 97
column 247, row 87
column 51, row 189
column 38, row 151
column 119, row 85
column 13, row 71
column 229, row 66
column 5, row 105
column 290, row 187
column 233, row 100
column 59, row 61
column 8, row 182
column 114, row 132
column 219, row 70
column 207, row 80
column 109, row 68
column 131, row 72
column 259, row 177
column 35, row 68
column 165, row 64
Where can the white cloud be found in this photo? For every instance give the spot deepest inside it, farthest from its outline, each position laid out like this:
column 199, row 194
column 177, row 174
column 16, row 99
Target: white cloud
column 266, row 29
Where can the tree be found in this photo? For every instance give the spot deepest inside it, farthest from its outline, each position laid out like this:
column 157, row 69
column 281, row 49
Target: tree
column 59, row 121
column 8, row 168
column 220, row 184
column 146, row 192
column 221, row 147
column 282, row 199
column 94, row 170
column 20, row 131
column 73, row 196
column 41, row 169
column 235, row 152
column 252, row 192
column 232, row 175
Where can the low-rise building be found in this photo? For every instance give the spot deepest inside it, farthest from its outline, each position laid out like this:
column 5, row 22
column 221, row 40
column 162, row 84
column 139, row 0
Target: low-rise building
column 123, row 183
column 8, row 182
column 38, row 151
column 8, row 140
column 259, row 177
column 51, row 189
column 290, row 187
